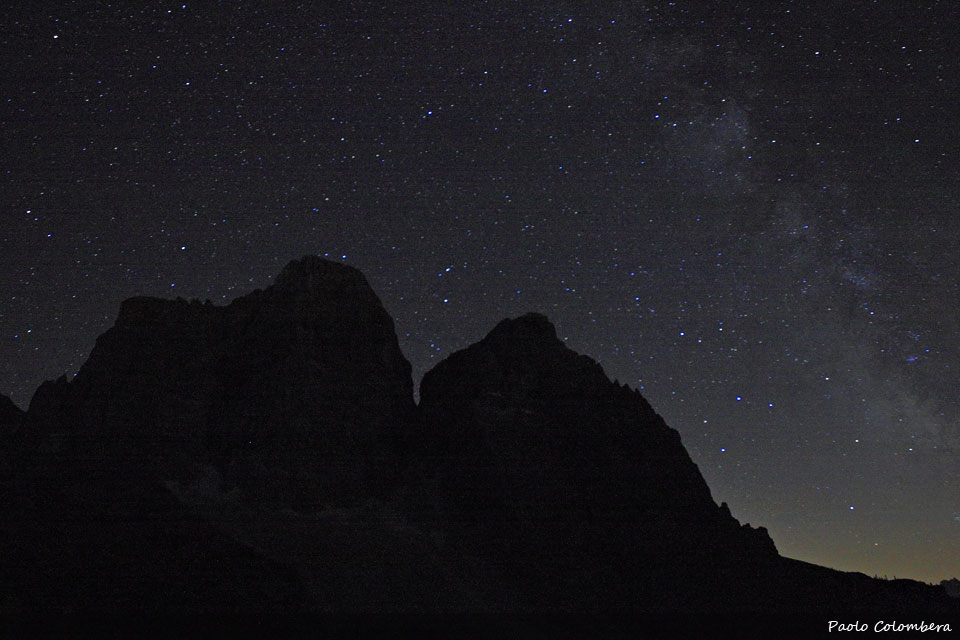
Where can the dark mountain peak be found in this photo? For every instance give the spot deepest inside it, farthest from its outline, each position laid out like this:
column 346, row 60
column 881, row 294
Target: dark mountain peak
column 534, row 445
column 520, row 357
column 294, row 393
column 316, row 277
column 529, row 329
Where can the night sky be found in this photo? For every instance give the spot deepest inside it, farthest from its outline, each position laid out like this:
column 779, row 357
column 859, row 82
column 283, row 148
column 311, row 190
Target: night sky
column 747, row 210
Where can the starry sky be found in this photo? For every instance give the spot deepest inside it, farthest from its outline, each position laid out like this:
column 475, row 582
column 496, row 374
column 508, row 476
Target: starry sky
column 747, row 210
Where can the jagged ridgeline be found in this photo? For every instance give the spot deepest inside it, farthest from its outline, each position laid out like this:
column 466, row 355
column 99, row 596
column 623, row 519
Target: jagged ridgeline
column 297, row 393
column 268, row 455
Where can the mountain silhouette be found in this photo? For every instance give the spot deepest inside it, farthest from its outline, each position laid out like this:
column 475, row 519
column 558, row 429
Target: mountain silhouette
column 298, row 392
column 268, row 456
column 573, row 476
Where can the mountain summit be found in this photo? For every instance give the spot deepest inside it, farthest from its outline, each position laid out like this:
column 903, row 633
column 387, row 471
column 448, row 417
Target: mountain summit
column 297, row 392
column 562, row 441
column 530, row 444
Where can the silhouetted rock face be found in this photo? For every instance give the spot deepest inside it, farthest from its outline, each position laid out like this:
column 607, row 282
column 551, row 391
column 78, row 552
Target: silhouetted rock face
column 530, row 444
column 296, row 392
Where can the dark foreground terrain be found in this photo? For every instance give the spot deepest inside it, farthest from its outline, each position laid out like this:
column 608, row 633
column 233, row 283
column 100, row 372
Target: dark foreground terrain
column 264, row 464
